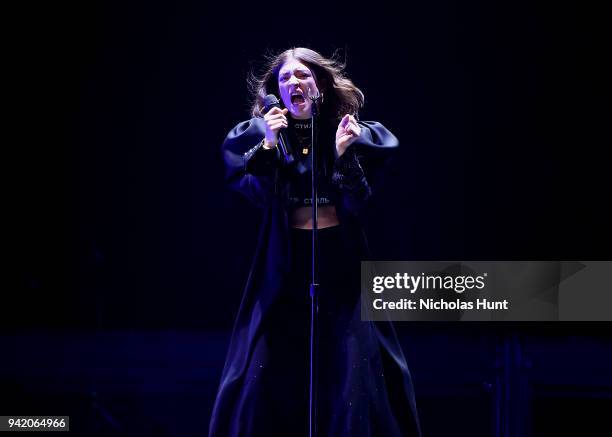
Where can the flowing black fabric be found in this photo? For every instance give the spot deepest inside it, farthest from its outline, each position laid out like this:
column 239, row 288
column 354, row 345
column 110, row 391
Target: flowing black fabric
column 364, row 387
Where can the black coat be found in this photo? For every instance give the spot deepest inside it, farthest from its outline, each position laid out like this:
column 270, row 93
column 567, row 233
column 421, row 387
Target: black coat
column 370, row 392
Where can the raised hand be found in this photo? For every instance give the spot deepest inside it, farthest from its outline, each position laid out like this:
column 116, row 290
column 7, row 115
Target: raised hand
column 348, row 131
column 275, row 121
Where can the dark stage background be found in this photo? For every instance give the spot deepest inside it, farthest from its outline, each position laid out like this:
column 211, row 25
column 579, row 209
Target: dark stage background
column 131, row 254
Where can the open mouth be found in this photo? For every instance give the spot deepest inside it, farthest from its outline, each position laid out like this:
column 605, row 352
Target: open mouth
column 297, row 99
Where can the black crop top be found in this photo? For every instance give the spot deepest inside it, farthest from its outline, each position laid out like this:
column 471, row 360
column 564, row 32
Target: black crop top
column 336, row 175
column 300, row 176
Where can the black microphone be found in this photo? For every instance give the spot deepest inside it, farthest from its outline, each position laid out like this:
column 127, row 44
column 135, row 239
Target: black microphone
column 269, row 102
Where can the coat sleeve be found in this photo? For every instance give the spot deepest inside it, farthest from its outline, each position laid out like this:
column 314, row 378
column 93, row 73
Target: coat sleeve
column 249, row 168
column 360, row 165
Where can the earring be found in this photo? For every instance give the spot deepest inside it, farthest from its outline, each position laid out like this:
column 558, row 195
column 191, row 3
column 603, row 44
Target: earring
column 322, row 97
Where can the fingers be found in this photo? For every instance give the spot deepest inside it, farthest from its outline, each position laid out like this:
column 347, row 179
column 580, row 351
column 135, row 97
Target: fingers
column 349, row 125
column 344, row 139
column 345, row 120
column 347, row 133
column 352, row 128
column 348, row 118
column 276, row 119
column 279, row 116
column 276, row 110
column 277, row 124
column 276, row 114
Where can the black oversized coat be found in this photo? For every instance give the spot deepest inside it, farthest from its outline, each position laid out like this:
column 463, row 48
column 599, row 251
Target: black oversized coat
column 371, row 392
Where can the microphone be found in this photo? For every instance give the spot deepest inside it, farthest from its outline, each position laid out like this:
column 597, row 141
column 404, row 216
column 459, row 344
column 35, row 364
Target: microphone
column 269, row 102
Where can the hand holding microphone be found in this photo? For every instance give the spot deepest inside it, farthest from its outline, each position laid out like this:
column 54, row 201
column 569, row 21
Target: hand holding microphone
column 275, row 120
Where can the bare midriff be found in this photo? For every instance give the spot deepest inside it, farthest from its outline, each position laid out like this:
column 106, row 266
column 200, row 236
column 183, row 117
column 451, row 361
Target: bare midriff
column 301, row 217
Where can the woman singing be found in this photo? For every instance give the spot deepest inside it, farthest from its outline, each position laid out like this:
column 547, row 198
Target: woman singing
column 363, row 384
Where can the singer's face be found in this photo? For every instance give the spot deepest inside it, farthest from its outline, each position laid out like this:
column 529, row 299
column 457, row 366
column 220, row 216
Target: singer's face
column 295, row 83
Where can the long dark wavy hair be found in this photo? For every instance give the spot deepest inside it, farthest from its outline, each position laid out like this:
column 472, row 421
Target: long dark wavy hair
column 340, row 95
